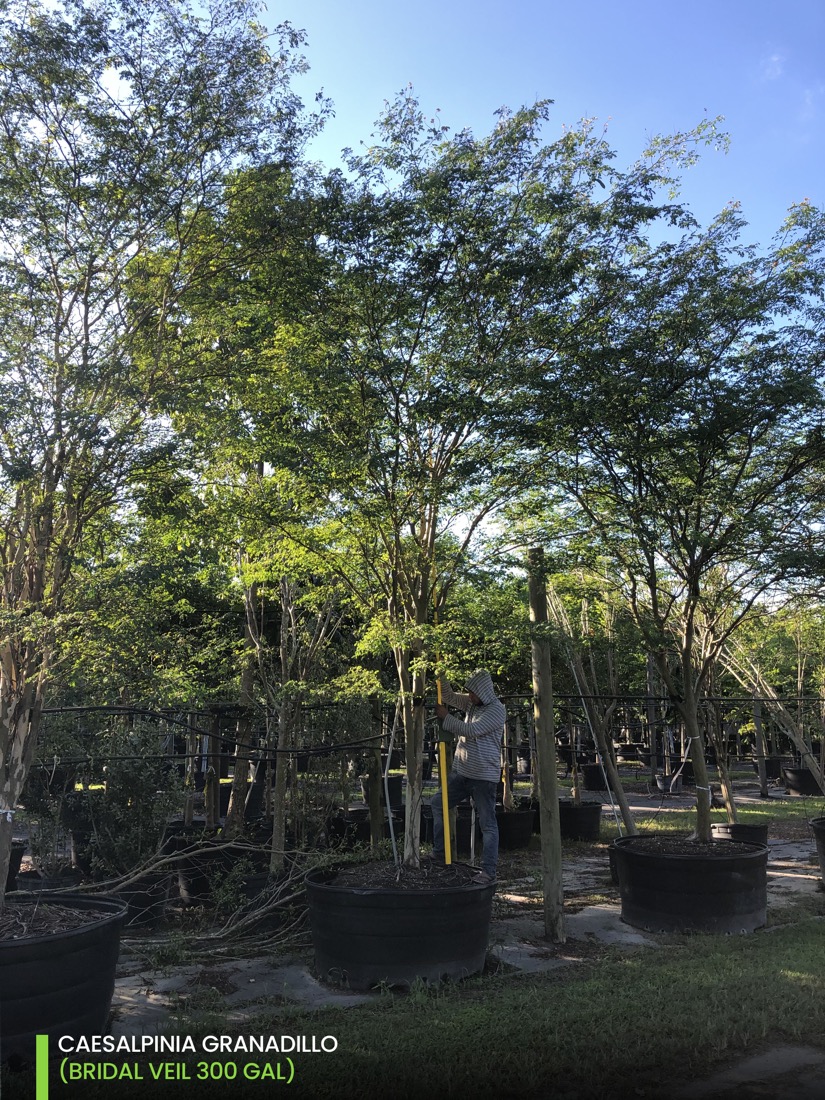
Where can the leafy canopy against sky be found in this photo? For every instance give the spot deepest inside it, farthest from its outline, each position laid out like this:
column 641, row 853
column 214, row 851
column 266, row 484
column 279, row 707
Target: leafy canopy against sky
column 641, row 68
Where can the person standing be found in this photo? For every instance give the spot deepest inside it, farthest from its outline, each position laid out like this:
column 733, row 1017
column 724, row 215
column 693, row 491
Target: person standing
column 476, row 768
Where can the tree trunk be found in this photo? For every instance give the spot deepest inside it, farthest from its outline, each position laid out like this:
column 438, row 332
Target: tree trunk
column 759, row 745
column 613, row 778
column 693, row 731
column 375, row 786
column 282, row 759
column 414, row 717
column 20, row 713
column 751, row 678
column 6, row 836
column 651, row 717
column 244, row 729
column 719, row 741
column 211, row 793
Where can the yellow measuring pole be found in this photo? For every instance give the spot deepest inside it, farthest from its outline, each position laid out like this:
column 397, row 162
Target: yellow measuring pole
column 442, row 777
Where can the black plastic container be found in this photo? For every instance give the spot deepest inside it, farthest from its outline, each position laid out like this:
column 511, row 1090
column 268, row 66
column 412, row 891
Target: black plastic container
column 515, row 828
column 818, row 829
column 579, row 820
column 395, row 786
column 196, row 859
column 736, row 830
column 61, row 983
column 800, row 782
column 720, row 891
column 349, row 827
column 368, row 937
column 773, row 767
column 18, row 849
column 146, row 898
column 669, row 784
column 593, row 777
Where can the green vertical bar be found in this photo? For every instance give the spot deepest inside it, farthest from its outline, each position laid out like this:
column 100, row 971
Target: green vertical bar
column 42, row 1068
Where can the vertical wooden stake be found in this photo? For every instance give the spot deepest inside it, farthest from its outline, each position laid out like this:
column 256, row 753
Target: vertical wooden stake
column 551, row 871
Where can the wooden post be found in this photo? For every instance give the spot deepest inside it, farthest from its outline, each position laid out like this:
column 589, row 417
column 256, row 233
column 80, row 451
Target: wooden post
column 551, row 870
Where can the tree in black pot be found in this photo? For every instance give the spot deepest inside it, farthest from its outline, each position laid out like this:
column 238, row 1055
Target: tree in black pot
column 686, row 429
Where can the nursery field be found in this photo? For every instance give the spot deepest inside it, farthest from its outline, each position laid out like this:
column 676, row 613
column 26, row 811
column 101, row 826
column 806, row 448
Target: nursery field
column 608, row 1013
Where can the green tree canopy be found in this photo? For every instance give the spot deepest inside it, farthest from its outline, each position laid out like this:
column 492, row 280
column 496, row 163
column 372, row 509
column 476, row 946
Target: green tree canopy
column 119, row 123
column 685, row 426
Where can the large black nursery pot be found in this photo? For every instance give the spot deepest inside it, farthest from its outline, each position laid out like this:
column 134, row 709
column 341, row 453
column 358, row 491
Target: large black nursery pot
column 394, row 785
column 749, row 832
column 196, row 859
column 203, row 859
column 773, row 767
column 60, row 983
column 529, row 803
column 365, row 936
column 348, row 827
column 146, row 898
column 669, row 784
column 579, row 820
column 18, row 849
column 818, row 829
column 593, row 777
column 670, row 884
column 515, row 828
column 800, row 782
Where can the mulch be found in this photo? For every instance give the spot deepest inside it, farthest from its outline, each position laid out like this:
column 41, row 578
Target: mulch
column 386, row 876
column 684, row 846
column 23, row 919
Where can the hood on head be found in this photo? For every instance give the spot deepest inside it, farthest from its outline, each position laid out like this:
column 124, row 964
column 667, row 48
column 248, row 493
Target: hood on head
column 481, row 684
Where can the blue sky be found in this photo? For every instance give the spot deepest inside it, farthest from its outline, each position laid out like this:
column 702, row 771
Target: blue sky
column 641, row 66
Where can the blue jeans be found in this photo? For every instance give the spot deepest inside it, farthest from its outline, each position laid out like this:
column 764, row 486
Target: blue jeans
column 483, row 794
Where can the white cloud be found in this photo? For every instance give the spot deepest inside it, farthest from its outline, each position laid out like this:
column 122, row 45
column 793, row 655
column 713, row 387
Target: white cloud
column 773, row 66
column 812, row 101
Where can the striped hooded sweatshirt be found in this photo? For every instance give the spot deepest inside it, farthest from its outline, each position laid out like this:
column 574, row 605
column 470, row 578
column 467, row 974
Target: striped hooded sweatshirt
column 478, row 748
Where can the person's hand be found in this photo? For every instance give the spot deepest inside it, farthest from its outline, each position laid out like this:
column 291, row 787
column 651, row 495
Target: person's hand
column 441, row 711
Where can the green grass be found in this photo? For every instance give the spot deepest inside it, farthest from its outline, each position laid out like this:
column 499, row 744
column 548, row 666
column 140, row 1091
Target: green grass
column 612, row 1028
column 787, row 817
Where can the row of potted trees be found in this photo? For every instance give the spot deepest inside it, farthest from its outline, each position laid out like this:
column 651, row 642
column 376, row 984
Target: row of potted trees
column 360, row 936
